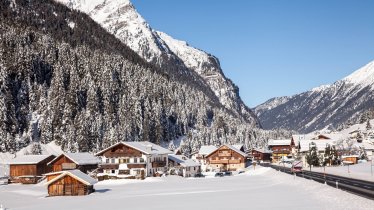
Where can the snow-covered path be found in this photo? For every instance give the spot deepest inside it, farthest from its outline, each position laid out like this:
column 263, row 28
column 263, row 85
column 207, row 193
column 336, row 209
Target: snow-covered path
column 263, row 189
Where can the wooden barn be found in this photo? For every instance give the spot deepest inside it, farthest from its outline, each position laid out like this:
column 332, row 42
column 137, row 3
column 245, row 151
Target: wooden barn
column 29, row 169
column 84, row 162
column 226, row 158
column 69, row 183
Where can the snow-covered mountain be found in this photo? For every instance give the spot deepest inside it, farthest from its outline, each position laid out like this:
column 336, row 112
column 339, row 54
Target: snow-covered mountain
column 120, row 18
column 327, row 106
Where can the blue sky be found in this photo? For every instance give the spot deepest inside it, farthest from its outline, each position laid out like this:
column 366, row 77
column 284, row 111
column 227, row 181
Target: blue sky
column 272, row 47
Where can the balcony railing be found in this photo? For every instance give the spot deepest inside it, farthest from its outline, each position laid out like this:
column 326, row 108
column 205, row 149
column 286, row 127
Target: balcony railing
column 158, row 164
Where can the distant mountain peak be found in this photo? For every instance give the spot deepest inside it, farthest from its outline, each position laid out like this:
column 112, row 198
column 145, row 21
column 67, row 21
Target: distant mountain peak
column 327, row 105
column 120, row 18
column 363, row 76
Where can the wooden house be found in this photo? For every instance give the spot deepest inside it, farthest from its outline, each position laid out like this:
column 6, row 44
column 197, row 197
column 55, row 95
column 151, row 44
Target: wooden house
column 226, row 158
column 350, row 159
column 281, row 148
column 183, row 166
column 84, row 162
column 263, row 155
column 69, row 183
column 28, row 169
column 133, row 160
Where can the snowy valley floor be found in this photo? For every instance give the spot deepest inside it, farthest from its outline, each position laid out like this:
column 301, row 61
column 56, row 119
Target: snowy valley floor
column 263, row 188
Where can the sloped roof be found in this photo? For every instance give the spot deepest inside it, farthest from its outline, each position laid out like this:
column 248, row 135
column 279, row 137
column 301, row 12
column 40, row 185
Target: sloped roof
column 183, row 161
column 238, row 146
column 84, row 158
column 321, row 144
column 206, row 150
column 230, row 147
column 282, row 142
column 263, row 150
column 77, row 174
column 145, row 147
column 29, row 159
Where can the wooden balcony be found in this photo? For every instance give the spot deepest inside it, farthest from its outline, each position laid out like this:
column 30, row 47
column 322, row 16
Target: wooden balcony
column 225, row 154
column 134, row 165
column 158, row 164
column 109, row 166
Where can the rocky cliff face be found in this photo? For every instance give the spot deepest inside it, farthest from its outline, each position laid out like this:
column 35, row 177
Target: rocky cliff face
column 327, row 106
column 64, row 78
column 120, row 18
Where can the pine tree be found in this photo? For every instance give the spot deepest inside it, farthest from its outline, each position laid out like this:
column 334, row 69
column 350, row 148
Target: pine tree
column 312, row 157
column 368, row 125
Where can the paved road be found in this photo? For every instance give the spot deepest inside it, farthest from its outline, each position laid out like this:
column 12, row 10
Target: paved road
column 359, row 187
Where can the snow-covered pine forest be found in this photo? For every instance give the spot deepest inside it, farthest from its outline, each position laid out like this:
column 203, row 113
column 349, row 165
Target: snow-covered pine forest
column 65, row 79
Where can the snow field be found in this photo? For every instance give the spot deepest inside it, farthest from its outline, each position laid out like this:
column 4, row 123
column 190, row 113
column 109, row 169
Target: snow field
column 261, row 188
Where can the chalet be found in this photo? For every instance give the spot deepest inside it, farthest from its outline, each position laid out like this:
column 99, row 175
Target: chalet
column 304, row 146
column 69, row 183
column 85, row 162
column 350, row 159
column 226, row 158
column 29, row 169
column 263, row 155
column 200, row 157
column 368, row 147
column 281, row 148
column 183, row 166
column 133, row 160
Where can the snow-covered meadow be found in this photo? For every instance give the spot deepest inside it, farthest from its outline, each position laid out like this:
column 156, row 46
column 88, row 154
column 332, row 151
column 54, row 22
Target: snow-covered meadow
column 263, row 188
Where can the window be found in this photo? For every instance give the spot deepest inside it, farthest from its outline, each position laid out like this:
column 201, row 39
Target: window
column 113, row 160
column 135, row 160
column 107, row 160
column 113, row 171
column 141, row 160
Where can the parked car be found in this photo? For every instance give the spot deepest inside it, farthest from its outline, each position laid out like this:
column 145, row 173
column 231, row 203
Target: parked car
column 199, row 176
column 297, row 167
column 228, row 173
column 241, row 172
column 219, row 174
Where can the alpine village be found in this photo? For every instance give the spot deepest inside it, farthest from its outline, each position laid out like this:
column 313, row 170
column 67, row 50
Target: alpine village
column 97, row 105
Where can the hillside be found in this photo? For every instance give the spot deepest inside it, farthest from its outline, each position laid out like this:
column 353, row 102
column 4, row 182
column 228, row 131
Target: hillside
column 328, row 106
column 64, row 78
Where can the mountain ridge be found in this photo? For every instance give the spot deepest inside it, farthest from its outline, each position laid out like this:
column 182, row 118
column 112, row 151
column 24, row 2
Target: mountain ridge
column 330, row 105
column 120, row 18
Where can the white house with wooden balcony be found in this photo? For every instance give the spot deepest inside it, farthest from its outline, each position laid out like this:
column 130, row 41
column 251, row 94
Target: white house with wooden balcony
column 183, row 166
column 133, row 160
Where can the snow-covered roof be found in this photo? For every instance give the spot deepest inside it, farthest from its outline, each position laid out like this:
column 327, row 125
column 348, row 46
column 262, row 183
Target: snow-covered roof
column 280, row 142
column 320, row 144
column 263, row 150
column 183, row 161
column 77, row 174
column 236, row 150
column 145, row 147
column 83, row 158
column 206, row 150
column 29, row 159
column 238, row 146
column 230, row 147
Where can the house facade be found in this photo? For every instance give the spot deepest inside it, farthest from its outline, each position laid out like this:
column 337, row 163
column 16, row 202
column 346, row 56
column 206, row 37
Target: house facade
column 84, row 162
column 183, row 166
column 69, row 183
column 226, row 158
column 281, row 148
column 29, row 169
column 133, row 160
column 259, row 154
